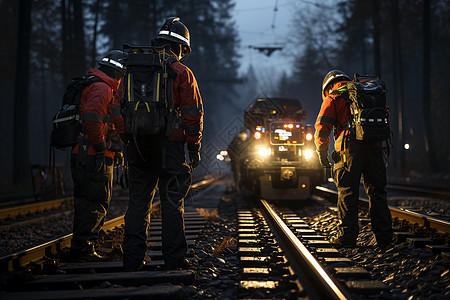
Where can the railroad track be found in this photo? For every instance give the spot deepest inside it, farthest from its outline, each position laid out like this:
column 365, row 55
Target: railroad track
column 272, row 261
column 22, row 258
column 295, row 236
column 346, row 273
column 278, row 256
column 426, row 191
column 431, row 222
column 420, row 244
column 283, row 257
column 54, row 280
column 71, row 276
column 30, row 213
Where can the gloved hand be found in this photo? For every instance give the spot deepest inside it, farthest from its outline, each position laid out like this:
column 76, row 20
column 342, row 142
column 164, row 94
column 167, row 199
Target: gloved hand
column 194, row 157
column 99, row 155
column 115, row 145
column 99, row 161
column 323, row 159
column 125, row 138
column 118, row 159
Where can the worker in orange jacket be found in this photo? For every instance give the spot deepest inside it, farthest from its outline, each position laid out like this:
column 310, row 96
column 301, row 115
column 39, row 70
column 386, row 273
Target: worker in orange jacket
column 92, row 158
column 351, row 159
column 160, row 161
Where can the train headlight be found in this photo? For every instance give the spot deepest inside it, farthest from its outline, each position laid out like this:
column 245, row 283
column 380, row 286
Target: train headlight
column 257, row 135
column 220, row 157
column 264, row 152
column 309, row 136
column 307, row 154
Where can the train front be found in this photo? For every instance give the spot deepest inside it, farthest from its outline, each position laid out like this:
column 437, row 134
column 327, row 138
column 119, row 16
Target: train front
column 281, row 162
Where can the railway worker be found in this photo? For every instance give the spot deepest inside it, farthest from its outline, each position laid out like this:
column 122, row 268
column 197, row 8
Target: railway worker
column 92, row 159
column 235, row 150
column 352, row 158
column 146, row 169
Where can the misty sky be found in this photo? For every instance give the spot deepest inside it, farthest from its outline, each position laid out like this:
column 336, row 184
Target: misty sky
column 254, row 20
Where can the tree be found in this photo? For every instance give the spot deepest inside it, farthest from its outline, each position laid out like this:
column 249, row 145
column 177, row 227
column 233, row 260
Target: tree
column 21, row 146
column 398, row 84
column 426, row 92
column 96, row 12
column 376, row 37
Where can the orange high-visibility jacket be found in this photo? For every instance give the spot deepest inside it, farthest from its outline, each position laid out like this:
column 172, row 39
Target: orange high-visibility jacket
column 95, row 112
column 334, row 113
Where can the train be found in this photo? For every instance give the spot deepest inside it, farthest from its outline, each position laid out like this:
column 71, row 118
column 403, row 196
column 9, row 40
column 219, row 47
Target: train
column 278, row 161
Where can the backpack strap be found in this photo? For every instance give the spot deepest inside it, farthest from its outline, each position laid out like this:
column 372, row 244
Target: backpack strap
column 168, row 93
column 343, row 92
column 169, row 77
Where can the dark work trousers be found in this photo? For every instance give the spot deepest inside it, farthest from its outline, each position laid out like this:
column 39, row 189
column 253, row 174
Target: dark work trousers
column 92, row 194
column 361, row 159
column 146, row 174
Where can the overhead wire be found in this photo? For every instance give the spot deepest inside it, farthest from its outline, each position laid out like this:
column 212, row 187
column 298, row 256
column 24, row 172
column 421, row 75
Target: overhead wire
column 275, row 10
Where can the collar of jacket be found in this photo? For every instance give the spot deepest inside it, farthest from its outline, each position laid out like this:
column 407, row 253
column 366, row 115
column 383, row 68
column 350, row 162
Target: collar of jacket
column 110, row 81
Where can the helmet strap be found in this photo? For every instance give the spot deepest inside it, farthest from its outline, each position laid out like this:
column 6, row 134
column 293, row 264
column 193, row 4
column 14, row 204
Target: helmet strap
column 184, row 58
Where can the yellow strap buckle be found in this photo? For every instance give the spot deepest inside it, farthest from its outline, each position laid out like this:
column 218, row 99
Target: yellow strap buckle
column 146, row 104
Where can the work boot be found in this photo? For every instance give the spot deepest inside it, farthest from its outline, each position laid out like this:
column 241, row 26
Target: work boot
column 91, row 257
column 384, row 247
column 87, row 254
column 134, row 269
column 342, row 243
column 185, row 264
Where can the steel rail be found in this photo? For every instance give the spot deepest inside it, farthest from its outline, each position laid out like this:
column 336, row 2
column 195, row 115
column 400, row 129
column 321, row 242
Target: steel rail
column 318, row 278
column 40, row 219
column 24, row 257
column 414, row 189
column 403, row 214
column 12, row 212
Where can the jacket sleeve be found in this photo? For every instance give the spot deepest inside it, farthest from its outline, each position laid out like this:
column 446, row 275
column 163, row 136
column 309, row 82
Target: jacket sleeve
column 191, row 107
column 98, row 97
column 325, row 122
column 116, row 113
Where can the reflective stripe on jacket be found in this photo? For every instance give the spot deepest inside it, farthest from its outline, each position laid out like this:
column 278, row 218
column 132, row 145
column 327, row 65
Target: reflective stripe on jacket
column 333, row 113
column 95, row 111
column 187, row 99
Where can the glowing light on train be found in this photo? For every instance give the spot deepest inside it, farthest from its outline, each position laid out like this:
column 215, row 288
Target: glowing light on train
column 264, row 152
column 307, row 154
column 309, row 136
column 290, row 126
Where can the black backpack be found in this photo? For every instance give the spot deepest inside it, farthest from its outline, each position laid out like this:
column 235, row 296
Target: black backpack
column 369, row 117
column 67, row 122
column 147, row 99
